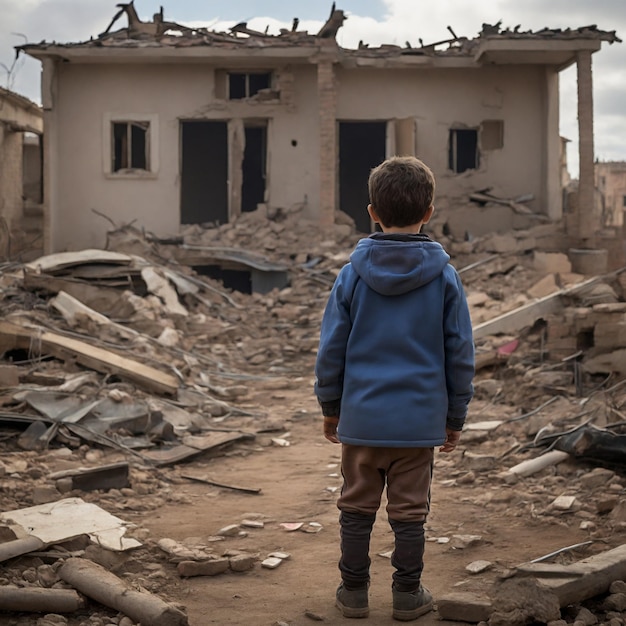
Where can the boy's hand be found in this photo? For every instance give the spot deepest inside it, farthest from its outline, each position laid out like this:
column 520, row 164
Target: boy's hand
column 330, row 429
column 452, row 438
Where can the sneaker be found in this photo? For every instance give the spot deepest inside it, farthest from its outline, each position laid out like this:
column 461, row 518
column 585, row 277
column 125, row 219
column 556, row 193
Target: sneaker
column 352, row 602
column 409, row 605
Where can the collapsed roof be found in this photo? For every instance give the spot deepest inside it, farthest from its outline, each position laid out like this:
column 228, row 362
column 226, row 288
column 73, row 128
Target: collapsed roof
column 494, row 44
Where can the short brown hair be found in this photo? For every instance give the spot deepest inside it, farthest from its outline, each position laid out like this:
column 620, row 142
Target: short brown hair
column 401, row 190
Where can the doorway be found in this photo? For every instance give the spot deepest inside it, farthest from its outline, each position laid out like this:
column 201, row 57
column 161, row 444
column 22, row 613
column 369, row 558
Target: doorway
column 254, row 167
column 204, row 172
column 362, row 146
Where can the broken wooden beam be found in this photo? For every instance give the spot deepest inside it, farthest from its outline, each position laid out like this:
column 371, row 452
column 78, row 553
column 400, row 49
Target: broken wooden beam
column 571, row 584
column 111, row 476
column 106, row 588
column 17, row 547
column 40, row 600
column 584, row 579
column 67, row 349
column 215, row 483
column 526, row 315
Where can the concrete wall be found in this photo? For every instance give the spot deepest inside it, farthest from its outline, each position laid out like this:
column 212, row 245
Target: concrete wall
column 10, row 173
column 84, row 98
column 440, row 99
column 88, row 95
column 16, row 116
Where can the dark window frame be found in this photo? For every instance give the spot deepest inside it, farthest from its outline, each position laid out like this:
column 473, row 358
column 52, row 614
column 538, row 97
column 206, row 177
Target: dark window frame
column 463, row 149
column 130, row 146
column 243, row 85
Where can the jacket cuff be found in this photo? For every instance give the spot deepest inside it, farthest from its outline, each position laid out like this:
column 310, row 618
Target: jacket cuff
column 330, row 409
column 455, row 424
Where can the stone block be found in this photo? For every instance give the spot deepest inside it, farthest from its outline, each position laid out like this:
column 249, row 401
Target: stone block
column 479, row 462
column 609, row 335
column 212, row 567
column 477, row 298
column 544, row 287
column 561, row 347
column 611, row 362
column 242, row 562
column 9, row 376
column 499, row 243
column 551, row 262
column 597, row 477
column 558, row 327
column 463, row 606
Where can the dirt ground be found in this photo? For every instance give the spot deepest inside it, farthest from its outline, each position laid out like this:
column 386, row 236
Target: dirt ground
column 475, row 516
column 299, row 484
column 479, row 511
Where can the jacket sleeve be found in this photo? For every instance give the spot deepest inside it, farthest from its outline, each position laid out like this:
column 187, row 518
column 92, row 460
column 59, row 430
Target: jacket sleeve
column 459, row 350
column 334, row 334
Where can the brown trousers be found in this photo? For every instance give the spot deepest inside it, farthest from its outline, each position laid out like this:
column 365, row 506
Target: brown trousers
column 407, row 473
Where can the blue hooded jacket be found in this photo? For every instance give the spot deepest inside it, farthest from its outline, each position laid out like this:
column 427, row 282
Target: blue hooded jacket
column 396, row 353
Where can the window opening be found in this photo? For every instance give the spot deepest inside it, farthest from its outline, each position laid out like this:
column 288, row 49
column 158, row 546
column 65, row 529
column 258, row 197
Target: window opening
column 130, row 146
column 463, row 150
column 247, row 84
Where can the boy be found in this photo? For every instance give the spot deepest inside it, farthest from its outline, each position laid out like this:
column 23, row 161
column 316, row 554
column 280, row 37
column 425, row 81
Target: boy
column 394, row 379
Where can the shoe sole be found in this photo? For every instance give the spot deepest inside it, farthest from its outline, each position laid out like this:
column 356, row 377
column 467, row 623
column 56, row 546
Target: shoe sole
column 349, row 611
column 407, row 616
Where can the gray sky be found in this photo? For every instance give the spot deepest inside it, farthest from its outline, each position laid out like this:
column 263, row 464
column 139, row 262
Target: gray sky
column 373, row 21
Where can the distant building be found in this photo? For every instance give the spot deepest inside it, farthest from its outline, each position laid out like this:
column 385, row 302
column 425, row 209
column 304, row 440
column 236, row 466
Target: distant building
column 165, row 125
column 611, row 183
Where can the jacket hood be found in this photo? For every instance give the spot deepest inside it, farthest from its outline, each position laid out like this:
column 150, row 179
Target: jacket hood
column 395, row 264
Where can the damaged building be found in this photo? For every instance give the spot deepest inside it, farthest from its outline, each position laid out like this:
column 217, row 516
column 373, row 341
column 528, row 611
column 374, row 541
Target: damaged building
column 161, row 455
column 21, row 193
column 164, row 125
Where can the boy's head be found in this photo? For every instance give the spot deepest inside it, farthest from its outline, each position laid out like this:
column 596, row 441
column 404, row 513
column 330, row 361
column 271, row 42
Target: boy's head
column 401, row 191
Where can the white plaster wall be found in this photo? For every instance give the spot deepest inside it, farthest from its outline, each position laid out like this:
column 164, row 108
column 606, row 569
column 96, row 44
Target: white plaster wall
column 439, row 99
column 87, row 93
column 294, row 170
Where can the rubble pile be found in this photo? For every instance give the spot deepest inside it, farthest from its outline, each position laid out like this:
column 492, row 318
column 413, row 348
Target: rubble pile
column 119, row 364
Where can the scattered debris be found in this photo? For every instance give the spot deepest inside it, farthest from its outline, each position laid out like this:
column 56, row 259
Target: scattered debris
column 68, row 518
column 95, row 582
column 545, row 437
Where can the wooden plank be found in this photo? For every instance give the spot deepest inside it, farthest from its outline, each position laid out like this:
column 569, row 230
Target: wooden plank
column 95, row 358
column 527, row 315
column 104, row 299
column 38, row 600
column 215, row 483
column 61, row 260
column 71, row 308
column 191, row 446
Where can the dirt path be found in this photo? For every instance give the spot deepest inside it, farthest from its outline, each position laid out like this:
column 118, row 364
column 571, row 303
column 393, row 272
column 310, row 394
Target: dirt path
column 299, row 484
